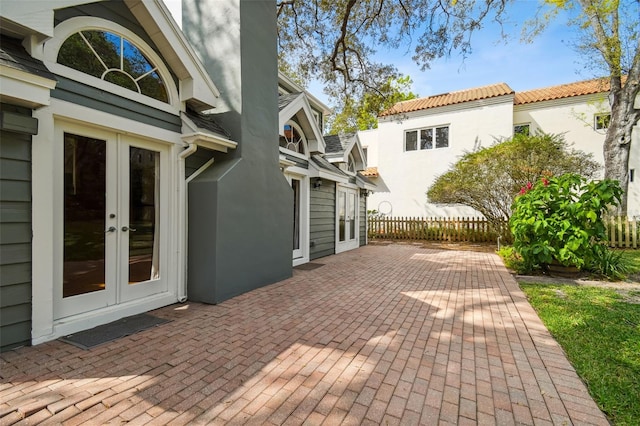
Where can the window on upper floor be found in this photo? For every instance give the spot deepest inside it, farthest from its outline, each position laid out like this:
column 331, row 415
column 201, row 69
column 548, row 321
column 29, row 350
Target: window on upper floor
column 522, row 129
column 352, row 164
column 293, row 139
column 115, row 59
column 601, row 121
column 426, row 138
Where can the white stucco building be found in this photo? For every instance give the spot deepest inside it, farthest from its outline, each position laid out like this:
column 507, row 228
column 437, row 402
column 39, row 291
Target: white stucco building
column 420, row 139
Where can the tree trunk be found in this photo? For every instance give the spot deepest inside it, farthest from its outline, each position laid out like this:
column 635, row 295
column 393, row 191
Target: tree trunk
column 617, row 143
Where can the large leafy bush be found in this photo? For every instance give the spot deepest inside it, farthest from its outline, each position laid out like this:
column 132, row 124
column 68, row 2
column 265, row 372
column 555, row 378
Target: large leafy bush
column 489, row 178
column 560, row 219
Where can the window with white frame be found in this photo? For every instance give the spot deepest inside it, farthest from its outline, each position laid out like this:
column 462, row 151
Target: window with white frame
column 522, row 129
column 426, row 138
column 601, row 121
column 292, row 138
column 115, row 59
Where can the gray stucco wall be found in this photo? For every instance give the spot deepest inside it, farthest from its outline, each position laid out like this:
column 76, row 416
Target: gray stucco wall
column 15, row 236
column 322, row 220
column 240, row 211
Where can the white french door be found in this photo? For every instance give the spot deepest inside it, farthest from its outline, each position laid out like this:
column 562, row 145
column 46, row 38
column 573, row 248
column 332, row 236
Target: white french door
column 347, row 219
column 114, row 220
column 296, row 185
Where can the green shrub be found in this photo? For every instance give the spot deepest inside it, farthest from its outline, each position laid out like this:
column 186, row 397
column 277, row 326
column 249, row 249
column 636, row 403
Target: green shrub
column 611, row 264
column 560, row 219
column 512, row 260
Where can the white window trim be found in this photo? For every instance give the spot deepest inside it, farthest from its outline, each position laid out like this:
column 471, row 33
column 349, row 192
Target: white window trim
column 520, row 125
column 305, row 145
column 71, row 26
column 418, row 129
column 595, row 120
column 47, row 195
column 303, row 176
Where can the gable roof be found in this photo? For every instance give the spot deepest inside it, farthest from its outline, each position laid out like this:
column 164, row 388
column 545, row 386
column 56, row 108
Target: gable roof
column 285, row 99
column 339, row 143
column 588, row 87
column 452, row 98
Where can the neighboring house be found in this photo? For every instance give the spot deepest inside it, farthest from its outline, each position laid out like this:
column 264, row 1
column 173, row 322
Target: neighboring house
column 419, row 139
column 329, row 194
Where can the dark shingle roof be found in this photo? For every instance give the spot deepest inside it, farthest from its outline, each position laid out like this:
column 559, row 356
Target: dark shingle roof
column 326, row 165
column 13, row 55
column 337, row 143
column 206, row 122
column 286, row 99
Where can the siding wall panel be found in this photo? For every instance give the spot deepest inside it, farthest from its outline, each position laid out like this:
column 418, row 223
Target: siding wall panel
column 322, row 226
column 15, row 236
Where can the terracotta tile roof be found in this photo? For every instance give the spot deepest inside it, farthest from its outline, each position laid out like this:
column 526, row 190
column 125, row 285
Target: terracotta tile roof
column 370, row 172
column 562, row 91
column 485, row 92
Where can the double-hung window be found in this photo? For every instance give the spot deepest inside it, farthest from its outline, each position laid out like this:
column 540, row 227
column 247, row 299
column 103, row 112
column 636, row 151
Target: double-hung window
column 426, row 138
column 601, row 121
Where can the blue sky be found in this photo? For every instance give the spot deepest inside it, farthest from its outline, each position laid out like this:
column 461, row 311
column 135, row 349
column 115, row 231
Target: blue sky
column 548, row 61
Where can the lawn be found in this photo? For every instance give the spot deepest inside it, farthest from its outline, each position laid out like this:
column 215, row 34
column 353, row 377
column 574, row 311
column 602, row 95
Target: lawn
column 600, row 332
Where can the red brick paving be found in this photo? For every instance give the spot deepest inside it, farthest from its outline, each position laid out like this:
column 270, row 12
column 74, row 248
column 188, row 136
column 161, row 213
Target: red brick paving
column 396, row 334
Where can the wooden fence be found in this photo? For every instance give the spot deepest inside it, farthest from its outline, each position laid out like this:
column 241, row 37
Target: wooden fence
column 623, row 233
column 475, row 230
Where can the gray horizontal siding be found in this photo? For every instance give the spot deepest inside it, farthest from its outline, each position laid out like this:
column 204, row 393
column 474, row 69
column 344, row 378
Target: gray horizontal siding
column 304, row 164
column 322, row 220
column 15, row 236
column 90, row 97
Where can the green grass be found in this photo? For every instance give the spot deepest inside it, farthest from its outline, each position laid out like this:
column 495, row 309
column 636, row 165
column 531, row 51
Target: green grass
column 600, row 333
column 633, row 257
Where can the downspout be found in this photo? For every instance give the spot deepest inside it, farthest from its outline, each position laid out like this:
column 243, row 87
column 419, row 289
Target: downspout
column 182, row 221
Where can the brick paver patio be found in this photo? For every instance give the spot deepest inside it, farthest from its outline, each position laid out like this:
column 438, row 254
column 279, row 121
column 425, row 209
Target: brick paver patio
column 393, row 334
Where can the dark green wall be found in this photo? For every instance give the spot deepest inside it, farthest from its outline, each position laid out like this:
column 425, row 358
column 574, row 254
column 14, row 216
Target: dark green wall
column 322, row 218
column 15, row 236
column 240, row 211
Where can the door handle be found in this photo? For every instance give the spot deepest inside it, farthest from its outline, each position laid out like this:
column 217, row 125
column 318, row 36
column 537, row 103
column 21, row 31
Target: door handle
column 126, row 228
column 111, row 229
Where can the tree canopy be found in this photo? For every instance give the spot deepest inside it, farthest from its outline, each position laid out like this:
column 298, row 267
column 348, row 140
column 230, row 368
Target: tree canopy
column 335, row 42
column 489, row 179
column 362, row 114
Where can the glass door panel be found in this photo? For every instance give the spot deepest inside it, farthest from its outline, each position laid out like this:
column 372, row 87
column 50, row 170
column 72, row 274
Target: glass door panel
column 143, row 229
column 352, row 216
column 342, row 199
column 295, row 185
column 85, row 188
column 143, row 215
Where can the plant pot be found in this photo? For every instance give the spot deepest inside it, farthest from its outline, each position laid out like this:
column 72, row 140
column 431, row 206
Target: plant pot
column 559, row 270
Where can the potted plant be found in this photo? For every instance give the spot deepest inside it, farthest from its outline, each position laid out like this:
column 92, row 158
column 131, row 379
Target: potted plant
column 557, row 223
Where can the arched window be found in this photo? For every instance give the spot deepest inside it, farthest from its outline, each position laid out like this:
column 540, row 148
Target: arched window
column 115, row 59
column 293, row 139
column 352, row 164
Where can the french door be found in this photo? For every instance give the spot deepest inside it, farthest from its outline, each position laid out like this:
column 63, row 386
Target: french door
column 296, row 185
column 347, row 219
column 114, row 217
